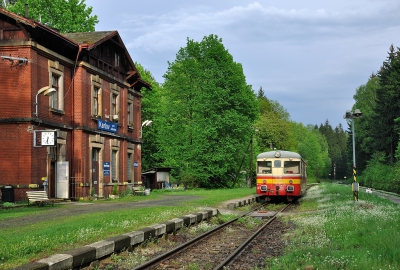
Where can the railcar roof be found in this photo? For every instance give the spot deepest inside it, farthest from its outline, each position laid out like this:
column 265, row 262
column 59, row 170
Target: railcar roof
column 283, row 154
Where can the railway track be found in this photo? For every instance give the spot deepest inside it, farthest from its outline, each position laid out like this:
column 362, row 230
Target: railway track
column 221, row 248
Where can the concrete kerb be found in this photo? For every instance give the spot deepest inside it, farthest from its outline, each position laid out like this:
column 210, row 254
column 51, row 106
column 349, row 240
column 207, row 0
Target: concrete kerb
column 86, row 254
column 231, row 205
column 89, row 253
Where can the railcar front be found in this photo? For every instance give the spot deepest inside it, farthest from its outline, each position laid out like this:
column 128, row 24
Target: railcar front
column 281, row 174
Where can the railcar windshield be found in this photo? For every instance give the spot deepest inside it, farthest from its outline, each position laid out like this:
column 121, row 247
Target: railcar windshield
column 291, row 167
column 264, row 167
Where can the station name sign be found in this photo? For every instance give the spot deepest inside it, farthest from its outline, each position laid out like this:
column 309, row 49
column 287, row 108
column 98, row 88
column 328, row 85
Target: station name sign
column 107, row 126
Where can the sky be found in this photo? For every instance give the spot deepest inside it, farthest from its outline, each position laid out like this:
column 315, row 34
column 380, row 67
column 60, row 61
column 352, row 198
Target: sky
column 309, row 55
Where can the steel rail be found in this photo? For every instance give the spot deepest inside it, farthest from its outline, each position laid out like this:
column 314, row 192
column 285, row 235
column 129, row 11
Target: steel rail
column 186, row 245
column 239, row 250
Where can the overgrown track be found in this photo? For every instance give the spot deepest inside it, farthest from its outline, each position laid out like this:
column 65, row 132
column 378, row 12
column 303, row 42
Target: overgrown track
column 216, row 249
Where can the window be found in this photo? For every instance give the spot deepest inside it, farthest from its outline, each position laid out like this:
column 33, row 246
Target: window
column 114, row 106
column 129, row 168
column 114, row 166
column 56, row 78
column 96, row 101
column 264, row 167
column 96, row 96
column 277, row 164
column 291, row 166
column 54, row 96
column 130, row 114
column 116, row 63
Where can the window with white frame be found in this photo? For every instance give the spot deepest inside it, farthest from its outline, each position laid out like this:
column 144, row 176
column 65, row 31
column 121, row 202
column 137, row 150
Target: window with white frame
column 56, row 75
column 114, row 106
column 96, row 101
column 96, row 96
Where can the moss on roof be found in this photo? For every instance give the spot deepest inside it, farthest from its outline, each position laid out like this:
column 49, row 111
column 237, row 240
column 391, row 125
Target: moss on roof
column 88, row 37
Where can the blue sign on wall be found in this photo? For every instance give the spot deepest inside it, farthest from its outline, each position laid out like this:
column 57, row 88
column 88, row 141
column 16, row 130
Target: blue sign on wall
column 106, row 168
column 107, row 126
column 135, row 164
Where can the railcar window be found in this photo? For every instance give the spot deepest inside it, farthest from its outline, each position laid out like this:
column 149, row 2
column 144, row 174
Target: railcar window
column 291, row 166
column 264, row 167
column 277, row 164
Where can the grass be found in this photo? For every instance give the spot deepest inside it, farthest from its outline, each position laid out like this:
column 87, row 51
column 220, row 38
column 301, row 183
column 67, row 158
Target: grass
column 331, row 230
column 334, row 232
column 22, row 244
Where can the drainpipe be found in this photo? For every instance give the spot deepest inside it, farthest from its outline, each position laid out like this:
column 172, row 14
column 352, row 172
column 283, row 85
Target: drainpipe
column 73, row 115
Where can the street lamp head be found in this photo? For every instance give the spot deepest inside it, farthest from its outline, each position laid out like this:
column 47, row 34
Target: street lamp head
column 357, row 113
column 147, row 123
column 47, row 90
column 347, row 115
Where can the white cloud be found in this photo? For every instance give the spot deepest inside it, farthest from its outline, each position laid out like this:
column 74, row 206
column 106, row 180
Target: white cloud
column 308, row 55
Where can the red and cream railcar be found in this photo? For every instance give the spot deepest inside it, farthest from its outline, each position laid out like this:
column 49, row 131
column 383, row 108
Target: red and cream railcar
column 281, row 174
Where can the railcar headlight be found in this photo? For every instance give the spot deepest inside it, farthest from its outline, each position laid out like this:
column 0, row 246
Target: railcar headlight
column 277, row 154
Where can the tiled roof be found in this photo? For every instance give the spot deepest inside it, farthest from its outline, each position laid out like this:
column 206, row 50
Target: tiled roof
column 88, row 37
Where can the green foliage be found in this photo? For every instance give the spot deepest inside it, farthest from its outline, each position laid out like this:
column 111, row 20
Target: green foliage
column 336, row 141
column 27, row 242
column 313, row 147
column 206, row 115
column 150, row 111
column 377, row 132
column 380, row 175
column 8, row 204
column 115, row 189
column 323, row 239
column 66, row 16
column 273, row 126
column 385, row 130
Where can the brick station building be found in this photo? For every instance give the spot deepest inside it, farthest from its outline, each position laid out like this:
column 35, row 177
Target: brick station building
column 70, row 112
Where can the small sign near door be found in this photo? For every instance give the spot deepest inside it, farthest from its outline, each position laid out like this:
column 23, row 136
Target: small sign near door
column 135, row 164
column 106, row 168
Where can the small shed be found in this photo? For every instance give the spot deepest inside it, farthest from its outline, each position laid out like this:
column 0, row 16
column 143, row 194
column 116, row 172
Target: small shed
column 156, row 178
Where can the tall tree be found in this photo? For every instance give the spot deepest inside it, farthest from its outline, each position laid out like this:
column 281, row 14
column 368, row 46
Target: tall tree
column 207, row 111
column 273, row 127
column 67, row 16
column 387, row 106
column 150, row 103
column 313, row 148
column 365, row 100
column 336, row 139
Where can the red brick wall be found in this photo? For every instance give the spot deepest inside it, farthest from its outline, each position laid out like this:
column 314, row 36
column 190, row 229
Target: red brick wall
column 21, row 164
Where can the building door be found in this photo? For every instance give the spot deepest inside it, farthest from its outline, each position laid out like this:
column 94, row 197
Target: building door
column 95, row 169
column 52, row 180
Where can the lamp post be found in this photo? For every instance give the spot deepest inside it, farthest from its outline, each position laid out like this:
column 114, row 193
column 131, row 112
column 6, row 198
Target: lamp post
column 350, row 116
column 145, row 124
column 46, row 91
